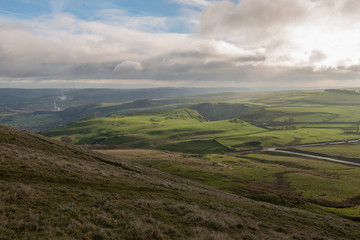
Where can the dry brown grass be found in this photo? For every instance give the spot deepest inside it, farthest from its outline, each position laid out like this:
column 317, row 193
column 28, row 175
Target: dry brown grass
column 50, row 190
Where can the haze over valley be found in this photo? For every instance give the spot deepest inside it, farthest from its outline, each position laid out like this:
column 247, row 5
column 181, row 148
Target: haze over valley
column 194, row 119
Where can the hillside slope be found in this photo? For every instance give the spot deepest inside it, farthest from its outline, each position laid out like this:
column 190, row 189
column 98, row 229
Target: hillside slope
column 182, row 130
column 222, row 111
column 36, row 119
column 50, row 190
column 44, row 98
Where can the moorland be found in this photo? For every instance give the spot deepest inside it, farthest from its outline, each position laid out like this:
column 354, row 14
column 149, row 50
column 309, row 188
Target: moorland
column 222, row 142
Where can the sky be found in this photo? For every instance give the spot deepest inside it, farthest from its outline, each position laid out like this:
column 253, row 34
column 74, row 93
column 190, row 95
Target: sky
column 256, row 44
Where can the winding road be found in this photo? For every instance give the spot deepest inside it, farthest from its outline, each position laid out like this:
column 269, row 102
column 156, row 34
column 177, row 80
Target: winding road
column 280, row 150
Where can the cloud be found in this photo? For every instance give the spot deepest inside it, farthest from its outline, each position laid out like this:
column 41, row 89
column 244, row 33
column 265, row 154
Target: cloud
column 256, row 19
column 142, row 23
column 317, row 56
column 196, row 3
column 57, row 5
column 252, row 42
column 128, row 65
column 293, row 33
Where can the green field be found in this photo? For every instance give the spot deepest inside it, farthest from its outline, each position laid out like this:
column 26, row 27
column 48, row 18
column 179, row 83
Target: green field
column 350, row 150
column 308, row 107
column 33, row 111
column 276, row 120
column 54, row 190
column 289, row 137
column 185, row 130
column 154, row 130
column 293, row 181
column 220, row 143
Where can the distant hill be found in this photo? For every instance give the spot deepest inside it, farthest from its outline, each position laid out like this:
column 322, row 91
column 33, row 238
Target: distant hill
column 52, row 190
column 15, row 97
column 34, row 109
column 260, row 108
column 223, row 111
column 37, row 99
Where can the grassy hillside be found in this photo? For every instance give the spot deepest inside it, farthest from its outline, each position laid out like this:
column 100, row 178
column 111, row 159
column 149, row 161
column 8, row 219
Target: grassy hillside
column 55, row 191
column 346, row 151
column 223, row 111
column 76, row 105
column 308, row 106
column 36, row 99
column 310, row 184
column 43, row 120
column 186, row 130
column 327, row 109
column 179, row 129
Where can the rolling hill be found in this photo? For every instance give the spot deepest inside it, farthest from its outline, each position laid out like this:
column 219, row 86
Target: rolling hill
column 330, row 109
column 186, row 130
column 37, row 114
column 52, row 190
column 177, row 130
column 231, row 154
column 36, row 99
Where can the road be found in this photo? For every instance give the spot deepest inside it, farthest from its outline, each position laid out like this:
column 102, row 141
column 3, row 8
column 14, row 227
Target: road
column 278, row 149
column 326, row 143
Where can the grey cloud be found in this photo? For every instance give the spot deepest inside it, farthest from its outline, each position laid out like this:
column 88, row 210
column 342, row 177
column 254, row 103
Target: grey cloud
column 260, row 20
column 252, row 20
column 317, row 56
column 246, row 42
column 195, row 3
column 128, row 65
column 256, row 58
column 203, row 60
column 350, row 8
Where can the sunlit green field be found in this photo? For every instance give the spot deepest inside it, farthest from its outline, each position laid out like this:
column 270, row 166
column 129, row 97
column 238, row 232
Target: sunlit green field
column 185, row 130
column 306, row 183
column 350, row 150
column 288, row 137
column 228, row 153
column 325, row 113
column 152, row 129
column 352, row 212
column 313, row 106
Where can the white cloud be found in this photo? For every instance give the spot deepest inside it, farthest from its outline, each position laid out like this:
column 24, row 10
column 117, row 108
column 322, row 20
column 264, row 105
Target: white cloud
column 143, row 23
column 251, row 42
column 197, row 3
column 57, row 5
column 289, row 31
column 128, row 65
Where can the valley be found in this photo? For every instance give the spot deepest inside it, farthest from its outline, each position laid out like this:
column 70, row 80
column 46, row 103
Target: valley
column 272, row 148
column 180, row 120
column 54, row 190
column 226, row 143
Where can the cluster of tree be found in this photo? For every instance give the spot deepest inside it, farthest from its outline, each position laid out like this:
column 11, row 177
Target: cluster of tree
column 289, row 127
column 290, row 120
